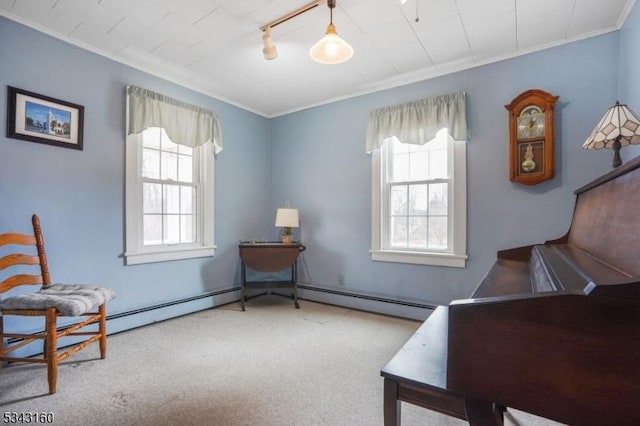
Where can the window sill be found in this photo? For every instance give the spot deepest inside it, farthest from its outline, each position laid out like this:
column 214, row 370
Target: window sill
column 168, row 254
column 420, row 258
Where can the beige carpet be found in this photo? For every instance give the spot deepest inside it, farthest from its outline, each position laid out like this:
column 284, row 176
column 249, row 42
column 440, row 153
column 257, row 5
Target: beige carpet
column 270, row 365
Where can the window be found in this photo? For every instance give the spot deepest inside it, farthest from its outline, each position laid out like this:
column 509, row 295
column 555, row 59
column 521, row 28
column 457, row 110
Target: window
column 419, row 206
column 420, row 213
column 416, row 194
column 167, row 187
column 169, row 198
column 170, row 187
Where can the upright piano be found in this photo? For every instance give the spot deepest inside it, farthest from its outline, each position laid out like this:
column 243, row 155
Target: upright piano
column 553, row 329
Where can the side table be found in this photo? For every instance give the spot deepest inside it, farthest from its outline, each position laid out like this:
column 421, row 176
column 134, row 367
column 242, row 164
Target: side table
column 269, row 257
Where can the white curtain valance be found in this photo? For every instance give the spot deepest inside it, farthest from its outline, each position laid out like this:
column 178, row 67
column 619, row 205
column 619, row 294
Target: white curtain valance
column 418, row 122
column 184, row 123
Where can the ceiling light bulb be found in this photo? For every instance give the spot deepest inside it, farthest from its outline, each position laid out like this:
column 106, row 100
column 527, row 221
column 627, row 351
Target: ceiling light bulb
column 269, row 50
column 331, row 49
column 403, row 1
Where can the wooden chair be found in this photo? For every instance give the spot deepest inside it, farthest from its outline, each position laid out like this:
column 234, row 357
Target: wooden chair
column 50, row 302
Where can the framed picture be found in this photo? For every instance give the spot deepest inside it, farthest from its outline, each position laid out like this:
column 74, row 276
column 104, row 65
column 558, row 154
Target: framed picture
column 38, row 118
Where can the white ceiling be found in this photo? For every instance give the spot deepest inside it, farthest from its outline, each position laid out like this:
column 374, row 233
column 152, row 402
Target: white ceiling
column 215, row 46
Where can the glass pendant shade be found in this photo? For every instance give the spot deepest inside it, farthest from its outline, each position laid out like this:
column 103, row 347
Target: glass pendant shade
column 331, row 49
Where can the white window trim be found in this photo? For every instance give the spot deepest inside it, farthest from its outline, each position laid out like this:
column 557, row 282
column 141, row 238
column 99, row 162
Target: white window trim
column 458, row 256
column 135, row 251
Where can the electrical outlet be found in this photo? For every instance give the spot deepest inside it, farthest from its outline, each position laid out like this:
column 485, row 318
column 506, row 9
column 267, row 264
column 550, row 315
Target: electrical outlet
column 341, row 279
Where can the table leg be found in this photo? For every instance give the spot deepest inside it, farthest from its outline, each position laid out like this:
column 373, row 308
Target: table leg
column 480, row 413
column 391, row 403
column 294, row 279
column 243, row 279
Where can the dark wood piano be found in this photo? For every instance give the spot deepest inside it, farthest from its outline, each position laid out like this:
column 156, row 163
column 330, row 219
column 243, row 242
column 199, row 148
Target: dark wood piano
column 553, row 329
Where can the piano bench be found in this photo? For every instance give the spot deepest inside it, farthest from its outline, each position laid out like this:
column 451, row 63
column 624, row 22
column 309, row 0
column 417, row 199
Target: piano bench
column 417, row 374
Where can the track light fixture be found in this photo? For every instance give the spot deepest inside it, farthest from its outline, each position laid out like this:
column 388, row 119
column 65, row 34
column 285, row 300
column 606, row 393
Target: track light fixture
column 331, row 49
column 269, row 50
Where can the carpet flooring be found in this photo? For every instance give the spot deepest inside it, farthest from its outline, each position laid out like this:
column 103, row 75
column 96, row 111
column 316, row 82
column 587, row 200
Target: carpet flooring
column 269, row 365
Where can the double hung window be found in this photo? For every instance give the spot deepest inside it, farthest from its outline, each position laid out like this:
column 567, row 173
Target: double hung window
column 169, row 187
column 416, row 194
column 418, row 191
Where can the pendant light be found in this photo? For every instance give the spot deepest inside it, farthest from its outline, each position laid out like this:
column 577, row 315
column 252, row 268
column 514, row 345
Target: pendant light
column 331, row 49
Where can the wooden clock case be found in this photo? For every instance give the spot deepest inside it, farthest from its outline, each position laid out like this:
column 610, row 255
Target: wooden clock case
column 531, row 150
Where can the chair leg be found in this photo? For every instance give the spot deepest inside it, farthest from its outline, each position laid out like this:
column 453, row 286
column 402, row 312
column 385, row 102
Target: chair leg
column 102, row 328
column 1, row 341
column 51, row 351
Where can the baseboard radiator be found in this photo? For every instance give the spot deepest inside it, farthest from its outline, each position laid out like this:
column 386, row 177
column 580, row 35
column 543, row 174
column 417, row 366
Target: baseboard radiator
column 172, row 303
column 306, row 287
column 366, row 297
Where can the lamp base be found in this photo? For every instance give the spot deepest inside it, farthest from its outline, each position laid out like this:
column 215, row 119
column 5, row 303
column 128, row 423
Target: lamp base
column 286, row 239
column 617, row 160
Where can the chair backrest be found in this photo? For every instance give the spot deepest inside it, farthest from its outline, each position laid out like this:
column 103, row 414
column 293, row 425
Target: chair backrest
column 13, row 259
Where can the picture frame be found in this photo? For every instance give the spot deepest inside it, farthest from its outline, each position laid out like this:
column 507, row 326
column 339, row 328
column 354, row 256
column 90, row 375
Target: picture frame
column 43, row 119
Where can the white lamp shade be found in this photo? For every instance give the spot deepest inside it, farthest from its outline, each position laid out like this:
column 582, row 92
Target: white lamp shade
column 287, row 218
column 331, row 49
column 619, row 120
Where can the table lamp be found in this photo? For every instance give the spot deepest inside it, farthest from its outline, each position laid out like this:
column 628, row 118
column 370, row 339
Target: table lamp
column 287, row 219
column 618, row 127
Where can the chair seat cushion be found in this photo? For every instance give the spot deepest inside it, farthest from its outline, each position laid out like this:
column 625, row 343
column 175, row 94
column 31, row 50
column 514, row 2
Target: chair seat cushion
column 69, row 299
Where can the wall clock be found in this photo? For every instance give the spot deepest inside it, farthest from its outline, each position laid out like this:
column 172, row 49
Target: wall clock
column 531, row 144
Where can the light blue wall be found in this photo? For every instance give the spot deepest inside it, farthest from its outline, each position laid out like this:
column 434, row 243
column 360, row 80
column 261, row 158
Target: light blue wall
column 314, row 159
column 319, row 164
column 630, row 70
column 79, row 195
